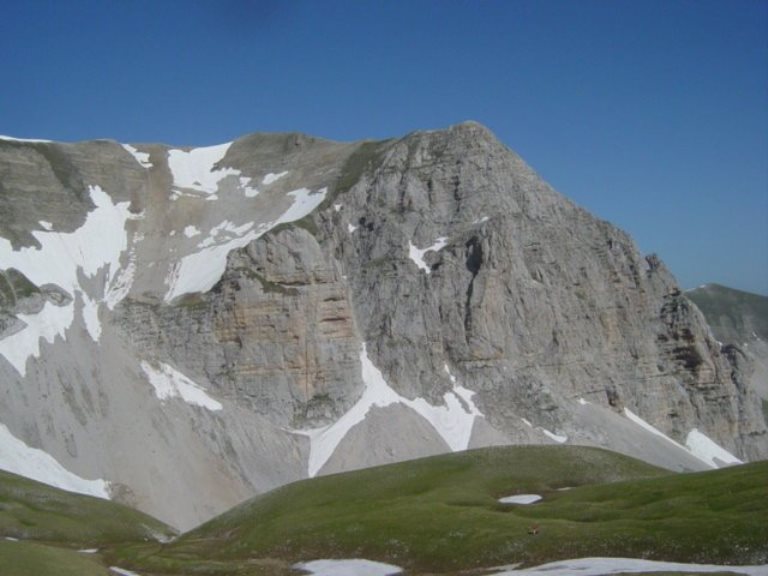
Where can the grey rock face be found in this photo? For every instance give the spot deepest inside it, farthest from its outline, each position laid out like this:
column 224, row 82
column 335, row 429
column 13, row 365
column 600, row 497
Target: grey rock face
column 287, row 305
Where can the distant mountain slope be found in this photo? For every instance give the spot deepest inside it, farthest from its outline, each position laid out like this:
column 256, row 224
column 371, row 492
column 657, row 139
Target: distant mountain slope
column 740, row 320
column 735, row 316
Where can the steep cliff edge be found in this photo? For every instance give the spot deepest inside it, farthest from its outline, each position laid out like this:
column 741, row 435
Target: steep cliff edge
column 198, row 325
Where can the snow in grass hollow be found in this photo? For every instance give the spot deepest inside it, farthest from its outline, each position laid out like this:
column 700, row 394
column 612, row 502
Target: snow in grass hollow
column 417, row 255
column 17, row 457
column 453, row 420
column 199, row 271
column 61, row 258
column 352, row 567
column 520, row 499
column 605, row 566
column 170, row 383
column 122, row 571
column 697, row 444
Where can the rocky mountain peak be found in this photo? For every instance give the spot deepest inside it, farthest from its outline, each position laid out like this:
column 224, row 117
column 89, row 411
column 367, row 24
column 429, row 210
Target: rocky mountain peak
column 230, row 318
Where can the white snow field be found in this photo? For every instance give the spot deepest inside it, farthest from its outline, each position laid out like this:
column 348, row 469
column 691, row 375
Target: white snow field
column 417, row 255
column 352, row 567
column 520, row 499
column 194, row 169
column 697, row 443
column 604, row 566
column 59, row 260
column 453, row 421
column 170, row 383
column 18, row 458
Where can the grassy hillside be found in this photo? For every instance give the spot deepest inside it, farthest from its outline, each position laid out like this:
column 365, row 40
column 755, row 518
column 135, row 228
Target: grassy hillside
column 733, row 315
column 437, row 515
column 441, row 514
column 30, row 510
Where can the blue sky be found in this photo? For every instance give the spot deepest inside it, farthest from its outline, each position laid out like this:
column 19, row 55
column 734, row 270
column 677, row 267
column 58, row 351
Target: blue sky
column 651, row 114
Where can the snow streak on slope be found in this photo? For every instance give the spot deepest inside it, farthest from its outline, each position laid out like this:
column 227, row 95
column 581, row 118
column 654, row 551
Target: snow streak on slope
column 697, row 444
column 94, row 247
column 453, row 421
column 199, row 271
column 417, row 255
column 704, row 448
column 141, row 157
column 271, row 177
column 170, row 383
column 17, row 457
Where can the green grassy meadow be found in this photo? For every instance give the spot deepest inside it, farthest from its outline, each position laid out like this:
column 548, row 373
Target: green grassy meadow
column 441, row 515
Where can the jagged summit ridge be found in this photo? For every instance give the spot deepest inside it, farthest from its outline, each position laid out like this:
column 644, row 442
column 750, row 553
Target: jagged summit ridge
column 233, row 317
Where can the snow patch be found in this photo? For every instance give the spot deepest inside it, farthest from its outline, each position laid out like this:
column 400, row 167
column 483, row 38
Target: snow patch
column 583, row 402
column 247, row 190
column 50, row 322
column 351, row 228
column 352, row 567
column 697, row 444
column 11, row 539
column 60, row 259
column 199, row 271
column 604, row 566
column 88, row 551
column 195, row 169
column 417, row 255
column 46, row 225
column 704, row 448
column 481, row 220
column 18, row 458
column 552, row 436
column 191, row 231
column 141, row 157
column 453, row 420
column 170, row 383
column 122, row 571
column 520, row 499
column 272, row 177
column 337, row 207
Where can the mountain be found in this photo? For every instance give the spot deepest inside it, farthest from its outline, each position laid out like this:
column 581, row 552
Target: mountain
column 739, row 321
column 183, row 328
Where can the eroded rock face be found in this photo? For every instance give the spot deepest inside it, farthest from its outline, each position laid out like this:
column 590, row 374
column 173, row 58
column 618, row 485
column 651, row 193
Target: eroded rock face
column 285, row 305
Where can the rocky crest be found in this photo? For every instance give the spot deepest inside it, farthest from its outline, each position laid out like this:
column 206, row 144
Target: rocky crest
column 215, row 322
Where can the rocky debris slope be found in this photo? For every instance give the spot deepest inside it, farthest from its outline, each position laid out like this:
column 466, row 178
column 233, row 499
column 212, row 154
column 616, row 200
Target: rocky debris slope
column 194, row 326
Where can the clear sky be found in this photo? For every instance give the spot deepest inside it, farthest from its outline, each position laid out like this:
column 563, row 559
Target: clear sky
column 651, row 114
